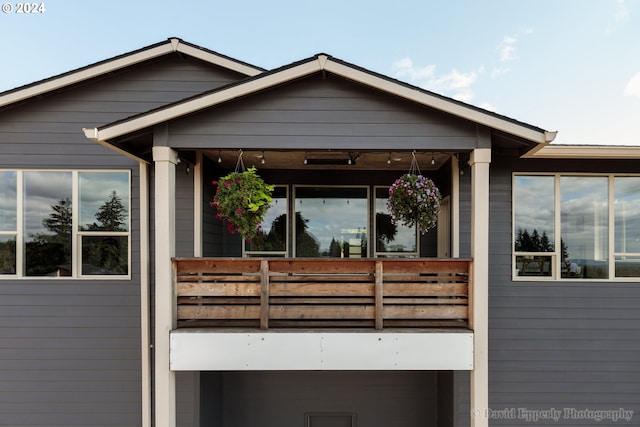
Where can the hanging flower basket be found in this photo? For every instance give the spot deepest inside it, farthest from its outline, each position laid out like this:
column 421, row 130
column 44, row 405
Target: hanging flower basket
column 242, row 199
column 414, row 200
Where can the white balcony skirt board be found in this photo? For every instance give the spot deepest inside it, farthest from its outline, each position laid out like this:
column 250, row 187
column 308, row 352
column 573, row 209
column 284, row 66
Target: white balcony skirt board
column 199, row 350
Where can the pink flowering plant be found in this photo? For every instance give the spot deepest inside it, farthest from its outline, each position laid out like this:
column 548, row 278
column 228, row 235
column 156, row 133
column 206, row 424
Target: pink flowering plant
column 414, row 200
column 242, row 199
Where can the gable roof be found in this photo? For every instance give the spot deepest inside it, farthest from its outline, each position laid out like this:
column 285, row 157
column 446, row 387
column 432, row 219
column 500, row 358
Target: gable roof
column 122, row 61
column 315, row 64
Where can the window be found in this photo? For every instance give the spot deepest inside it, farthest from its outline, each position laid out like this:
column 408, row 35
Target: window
column 64, row 223
column 331, row 222
column 8, row 222
column 576, row 226
column 272, row 239
column 392, row 239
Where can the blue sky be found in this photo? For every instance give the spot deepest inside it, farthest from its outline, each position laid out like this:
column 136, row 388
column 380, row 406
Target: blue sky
column 571, row 65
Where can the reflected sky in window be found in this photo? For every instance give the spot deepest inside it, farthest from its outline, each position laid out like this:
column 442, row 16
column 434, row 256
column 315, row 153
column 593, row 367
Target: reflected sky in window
column 534, row 205
column 627, row 214
column 96, row 189
column 404, row 239
column 8, row 201
column 584, row 213
column 43, row 191
column 338, row 214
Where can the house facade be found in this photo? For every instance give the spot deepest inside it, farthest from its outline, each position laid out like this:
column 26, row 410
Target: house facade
column 125, row 301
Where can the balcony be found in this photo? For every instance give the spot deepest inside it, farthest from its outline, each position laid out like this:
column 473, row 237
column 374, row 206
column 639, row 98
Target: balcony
column 301, row 293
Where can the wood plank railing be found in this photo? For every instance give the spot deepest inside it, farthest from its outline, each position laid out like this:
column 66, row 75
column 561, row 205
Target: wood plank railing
column 322, row 293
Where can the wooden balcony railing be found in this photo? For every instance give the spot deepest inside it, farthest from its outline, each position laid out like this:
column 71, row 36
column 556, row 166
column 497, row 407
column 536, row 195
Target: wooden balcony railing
column 322, row 293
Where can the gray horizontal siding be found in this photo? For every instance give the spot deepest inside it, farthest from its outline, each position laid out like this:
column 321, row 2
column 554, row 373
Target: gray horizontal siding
column 314, row 113
column 49, row 131
column 184, row 211
column 562, row 344
column 70, row 349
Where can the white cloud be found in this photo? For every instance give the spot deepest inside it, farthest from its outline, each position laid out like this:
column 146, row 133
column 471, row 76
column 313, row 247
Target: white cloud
column 455, row 84
column 487, row 106
column 620, row 16
column 455, row 80
column 621, row 12
column 404, row 68
column 507, row 48
column 498, row 71
column 633, row 86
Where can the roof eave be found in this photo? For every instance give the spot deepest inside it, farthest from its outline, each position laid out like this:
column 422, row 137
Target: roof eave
column 325, row 63
column 91, row 133
column 585, row 152
column 109, row 132
column 120, row 62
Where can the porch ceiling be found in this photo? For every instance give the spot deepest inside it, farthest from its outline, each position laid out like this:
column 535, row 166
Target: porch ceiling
column 329, row 159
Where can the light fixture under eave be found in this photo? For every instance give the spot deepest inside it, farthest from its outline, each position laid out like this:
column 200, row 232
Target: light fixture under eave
column 389, row 158
column 220, row 156
column 305, row 161
column 262, row 159
column 433, row 160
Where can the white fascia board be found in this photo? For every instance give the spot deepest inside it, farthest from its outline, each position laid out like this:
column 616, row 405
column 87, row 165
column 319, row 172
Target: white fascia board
column 173, row 45
column 205, row 350
column 439, row 103
column 585, row 152
column 88, row 73
column 91, row 133
column 206, row 101
column 218, row 60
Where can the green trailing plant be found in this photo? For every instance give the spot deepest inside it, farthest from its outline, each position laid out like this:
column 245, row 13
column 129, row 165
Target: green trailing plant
column 242, row 200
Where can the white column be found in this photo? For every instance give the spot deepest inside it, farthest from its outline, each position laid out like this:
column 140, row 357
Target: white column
column 479, row 321
column 145, row 295
column 165, row 160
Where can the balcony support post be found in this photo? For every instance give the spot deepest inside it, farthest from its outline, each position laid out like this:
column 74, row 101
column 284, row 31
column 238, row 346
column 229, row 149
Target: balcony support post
column 379, row 296
column 479, row 319
column 264, row 294
column 165, row 160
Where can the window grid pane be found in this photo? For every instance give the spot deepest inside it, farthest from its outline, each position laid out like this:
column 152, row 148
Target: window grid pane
column 585, row 225
column 331, row 222
column 48, row 223
column 395, row 239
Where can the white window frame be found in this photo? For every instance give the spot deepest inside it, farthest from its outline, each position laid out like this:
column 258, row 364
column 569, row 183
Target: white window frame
column 556, row 255
column 76, row 252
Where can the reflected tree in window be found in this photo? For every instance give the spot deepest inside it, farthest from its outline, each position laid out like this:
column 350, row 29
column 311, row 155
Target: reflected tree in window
column 272, row 236
column 272, row 240
column 386, row 230
column 7, row 255
column 112, row 215
column 533, row 242
column 106, row 254
column 306, row 243
column 50, row 253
